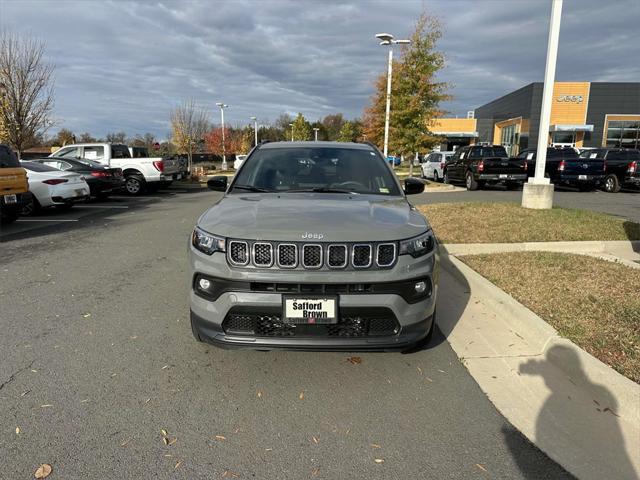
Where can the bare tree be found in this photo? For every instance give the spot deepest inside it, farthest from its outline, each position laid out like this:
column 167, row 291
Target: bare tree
column 189, row 123
column 26, row 90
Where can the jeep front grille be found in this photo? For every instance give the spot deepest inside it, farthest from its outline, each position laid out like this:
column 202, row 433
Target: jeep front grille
column 337, row 256
column 238, row 252
column 262, row 254
column 311, row 256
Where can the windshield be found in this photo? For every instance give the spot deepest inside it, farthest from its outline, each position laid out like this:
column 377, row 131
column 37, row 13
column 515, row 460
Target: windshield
column 339, row 170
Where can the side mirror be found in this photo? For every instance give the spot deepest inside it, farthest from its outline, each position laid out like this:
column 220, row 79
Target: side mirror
column 218, row 183
column 412, row 186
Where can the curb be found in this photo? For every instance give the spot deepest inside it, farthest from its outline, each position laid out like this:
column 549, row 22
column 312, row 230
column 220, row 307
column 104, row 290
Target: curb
column 627, row 246
column 578, row 410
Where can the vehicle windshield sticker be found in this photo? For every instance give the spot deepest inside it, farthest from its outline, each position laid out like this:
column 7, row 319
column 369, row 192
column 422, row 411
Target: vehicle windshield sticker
column 529, row 155
column 384, row 190
column 593, row 155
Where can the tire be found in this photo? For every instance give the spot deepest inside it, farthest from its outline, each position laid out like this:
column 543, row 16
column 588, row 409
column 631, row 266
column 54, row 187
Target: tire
column 512, row 185
column 612, row 184
column 471, row 182
column 135, row 184
column 436, row 177
column 445, row 177
column 31, row 208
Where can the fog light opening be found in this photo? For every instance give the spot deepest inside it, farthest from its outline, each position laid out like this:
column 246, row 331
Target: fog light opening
column 204, row 284
column 420, row 287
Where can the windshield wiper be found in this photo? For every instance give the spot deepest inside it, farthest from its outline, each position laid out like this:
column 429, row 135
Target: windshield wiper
column 323, row 190
column 251, row 188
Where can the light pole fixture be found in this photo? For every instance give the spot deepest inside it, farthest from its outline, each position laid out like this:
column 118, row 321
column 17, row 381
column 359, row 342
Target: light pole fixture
column 255, row 129
column 315, row 131
column 291, row 125
column 387, row 39
column 224, row 156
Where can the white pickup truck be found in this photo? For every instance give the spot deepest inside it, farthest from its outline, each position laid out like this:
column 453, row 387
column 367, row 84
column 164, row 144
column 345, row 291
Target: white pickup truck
column 141, row 174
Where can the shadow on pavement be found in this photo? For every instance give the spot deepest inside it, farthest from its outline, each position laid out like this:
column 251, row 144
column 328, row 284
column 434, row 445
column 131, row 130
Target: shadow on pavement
column 632, row 231
column 576, row 428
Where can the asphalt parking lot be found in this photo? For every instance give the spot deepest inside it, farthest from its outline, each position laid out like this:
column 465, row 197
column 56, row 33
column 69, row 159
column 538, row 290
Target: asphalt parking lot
column 98, row 361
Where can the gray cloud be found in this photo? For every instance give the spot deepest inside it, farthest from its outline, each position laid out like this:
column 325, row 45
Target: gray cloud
column 124, row 65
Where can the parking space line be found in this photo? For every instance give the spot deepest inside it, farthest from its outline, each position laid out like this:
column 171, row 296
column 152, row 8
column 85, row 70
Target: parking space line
column 100, row 206
column 24, row 220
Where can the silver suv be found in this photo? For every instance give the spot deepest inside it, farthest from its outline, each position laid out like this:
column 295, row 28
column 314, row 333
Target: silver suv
column 314, row 246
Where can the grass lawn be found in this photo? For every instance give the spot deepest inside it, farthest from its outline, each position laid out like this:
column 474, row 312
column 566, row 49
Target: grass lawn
column 593, row 302
column 476, row 222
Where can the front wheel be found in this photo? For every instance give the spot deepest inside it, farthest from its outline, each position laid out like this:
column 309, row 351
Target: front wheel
column 611, row 184
column 134, row 184
column 471, row 182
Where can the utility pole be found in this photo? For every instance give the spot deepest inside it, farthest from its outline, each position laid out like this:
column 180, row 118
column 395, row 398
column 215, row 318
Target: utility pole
column 224, row 156
column 537, row 193
column 315, row 131
column 255, row 129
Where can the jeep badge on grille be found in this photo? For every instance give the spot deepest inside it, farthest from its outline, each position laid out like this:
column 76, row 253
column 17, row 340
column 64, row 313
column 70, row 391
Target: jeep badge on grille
column 314, row 236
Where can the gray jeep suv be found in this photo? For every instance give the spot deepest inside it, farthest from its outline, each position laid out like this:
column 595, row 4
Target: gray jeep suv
column 313, row 246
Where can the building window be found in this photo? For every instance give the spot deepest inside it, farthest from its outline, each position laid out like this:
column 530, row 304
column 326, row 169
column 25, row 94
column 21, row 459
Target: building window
column 625, row 134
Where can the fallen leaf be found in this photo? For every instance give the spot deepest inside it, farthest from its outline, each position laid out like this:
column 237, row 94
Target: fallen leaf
column 379, row 460
column 419, row 370
column 354, row 360
column 47, row 405
column 24, row 393
column 125, row 443
column 177, row 465
column 315, row 440
column 301, row 396
column 17, row 430
column 34, row 371
column 165, row 367
column 315, row 472
column 375, row 445
column 347, row 432
column 428, row 379
column 268, row 449
column 86, row 315
column 147, row 400
column 84, row 401
column 607, row 409
column 221, row 438
column 173, row 441
column 168, row 455
column 43, row 471
column 481, row 467
column 259, row 394
column 165, row 440
column 229, row 473
column 441, row 371
column 163, row 432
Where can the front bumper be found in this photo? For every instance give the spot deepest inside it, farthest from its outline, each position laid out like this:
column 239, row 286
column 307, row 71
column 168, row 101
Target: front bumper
column 410, row 321
column 502, row 177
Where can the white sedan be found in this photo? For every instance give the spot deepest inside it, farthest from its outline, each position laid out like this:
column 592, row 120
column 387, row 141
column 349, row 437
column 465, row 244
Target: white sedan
column 433, row 164
column 237, row 163
column 52, row 187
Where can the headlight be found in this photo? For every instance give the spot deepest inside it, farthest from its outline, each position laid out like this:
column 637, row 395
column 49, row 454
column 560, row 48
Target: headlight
column 418, row 246
column 206, row 242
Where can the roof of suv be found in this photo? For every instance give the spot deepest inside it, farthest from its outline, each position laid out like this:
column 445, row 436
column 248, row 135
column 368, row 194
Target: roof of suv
column 319, row 144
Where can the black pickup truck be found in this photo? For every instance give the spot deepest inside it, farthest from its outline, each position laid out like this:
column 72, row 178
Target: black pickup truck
column 479, row 165
column 621, row 167
column 564, row 167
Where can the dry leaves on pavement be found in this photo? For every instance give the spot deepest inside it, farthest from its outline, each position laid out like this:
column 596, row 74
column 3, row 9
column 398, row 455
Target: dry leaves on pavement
column 43, row 471
column 230, row 474
column 301, row 396
column 379, row 460
column 354, row 360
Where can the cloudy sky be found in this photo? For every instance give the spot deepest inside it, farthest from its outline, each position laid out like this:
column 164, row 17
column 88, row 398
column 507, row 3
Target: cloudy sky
column 122, row 65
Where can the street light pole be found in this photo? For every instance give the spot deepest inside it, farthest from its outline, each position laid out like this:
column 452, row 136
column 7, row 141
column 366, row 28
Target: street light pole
column 224, row 156
column 387, row 39
column 315, row 131
column 538, row 191
column 255, row 129
column 291, row 125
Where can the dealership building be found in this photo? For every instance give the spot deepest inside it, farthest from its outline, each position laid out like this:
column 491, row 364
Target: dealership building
column 583, row 114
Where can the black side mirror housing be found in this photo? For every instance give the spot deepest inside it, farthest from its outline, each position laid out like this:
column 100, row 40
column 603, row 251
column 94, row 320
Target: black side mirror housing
column 218, row 183
column 413, row 185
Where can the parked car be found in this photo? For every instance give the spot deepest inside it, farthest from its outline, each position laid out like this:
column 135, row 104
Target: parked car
column 53, row 188
column 237, row 163
column 433, row 165
column 621, row 167
column 13, row 186
column 394, row 160
column 479, row 165
column 554, row 156
column 313, row 246
column 101, row 179
column 140, row 174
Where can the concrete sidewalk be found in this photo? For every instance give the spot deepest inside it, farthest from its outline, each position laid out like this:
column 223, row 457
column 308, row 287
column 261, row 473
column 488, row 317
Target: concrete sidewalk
column 579, row 411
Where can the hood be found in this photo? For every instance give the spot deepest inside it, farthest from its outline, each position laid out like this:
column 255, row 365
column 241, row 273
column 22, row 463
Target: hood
column 322, row 217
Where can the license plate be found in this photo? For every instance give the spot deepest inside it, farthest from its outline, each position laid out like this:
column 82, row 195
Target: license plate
column 10, row 199
column 310, row 310
column 504, row 175
column 582, row 177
